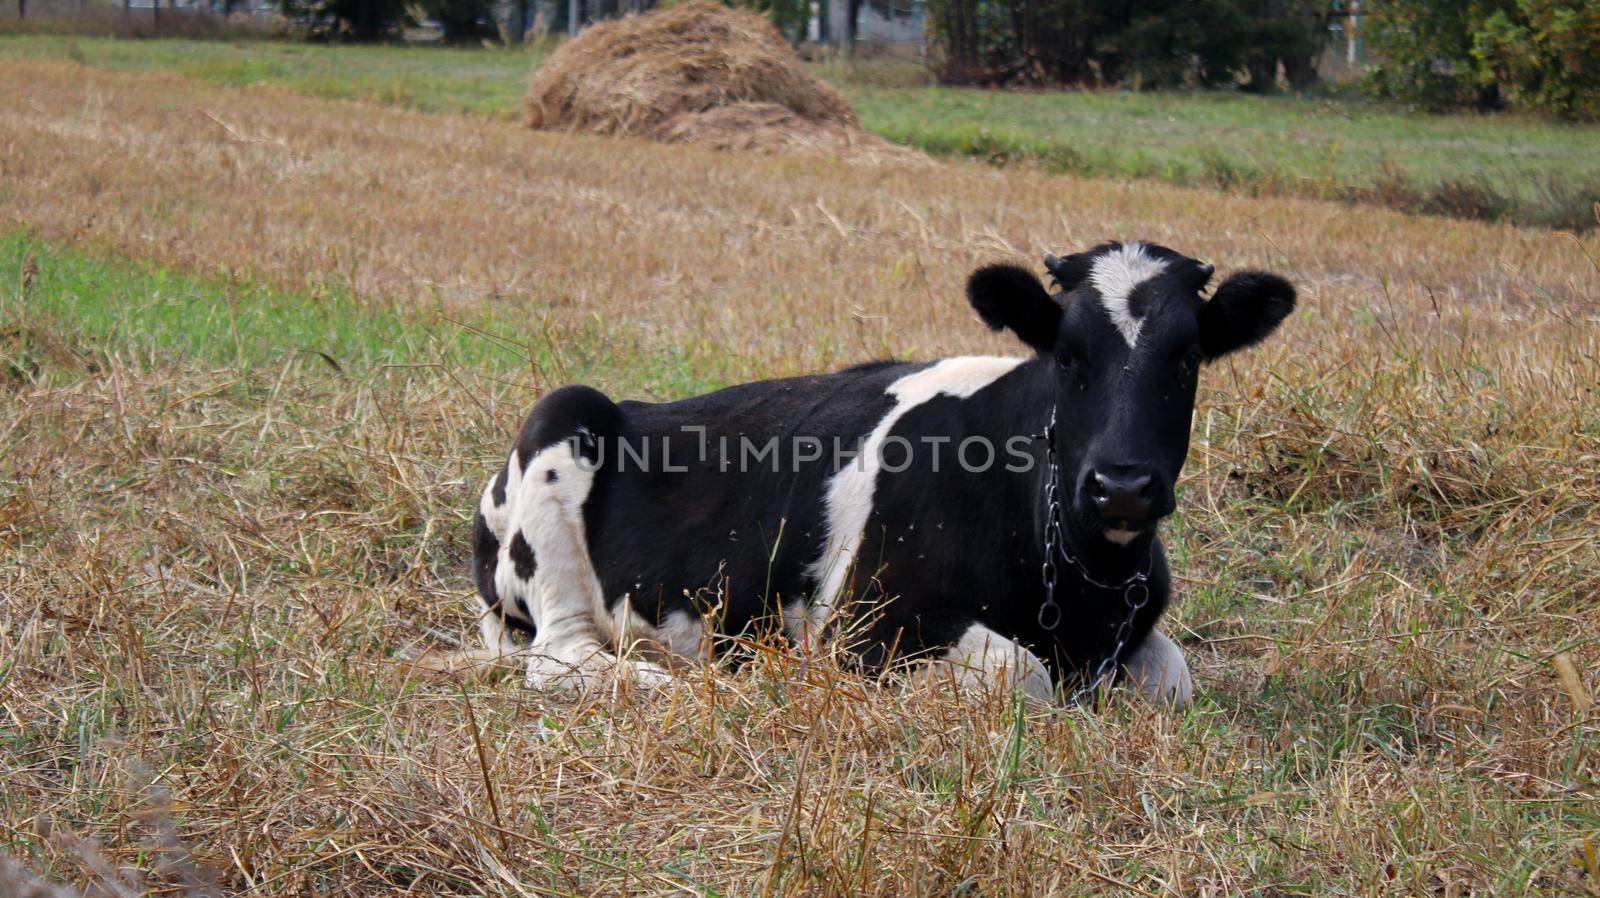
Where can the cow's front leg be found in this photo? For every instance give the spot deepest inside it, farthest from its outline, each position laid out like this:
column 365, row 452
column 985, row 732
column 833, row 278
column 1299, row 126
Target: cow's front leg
column 568, row 606
column 1159, row 671
column 497, row 639
column 568, row 652
column 982, row 659
column 499, row 651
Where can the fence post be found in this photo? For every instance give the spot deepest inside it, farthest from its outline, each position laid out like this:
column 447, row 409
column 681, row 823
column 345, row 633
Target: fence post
column 1351, row 40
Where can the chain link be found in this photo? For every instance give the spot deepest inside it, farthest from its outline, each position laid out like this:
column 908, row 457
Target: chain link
column 1135, row 588
column 1050, row 612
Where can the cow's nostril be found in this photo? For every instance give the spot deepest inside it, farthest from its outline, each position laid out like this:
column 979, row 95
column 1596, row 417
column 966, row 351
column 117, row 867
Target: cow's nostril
column 1121, row 497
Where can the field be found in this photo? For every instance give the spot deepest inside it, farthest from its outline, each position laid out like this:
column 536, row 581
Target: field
column 258, row 351
column 1511, row 168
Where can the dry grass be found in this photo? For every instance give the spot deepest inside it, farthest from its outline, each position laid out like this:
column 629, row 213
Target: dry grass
column 1387, row 539
column 631, row 75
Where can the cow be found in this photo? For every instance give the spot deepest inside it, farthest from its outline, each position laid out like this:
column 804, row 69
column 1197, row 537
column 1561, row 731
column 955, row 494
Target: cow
column 988, row 519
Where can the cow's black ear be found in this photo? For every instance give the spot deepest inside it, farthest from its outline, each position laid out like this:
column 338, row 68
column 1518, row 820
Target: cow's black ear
column 1010, row 296
column 1070, row 271
column 1244, row 310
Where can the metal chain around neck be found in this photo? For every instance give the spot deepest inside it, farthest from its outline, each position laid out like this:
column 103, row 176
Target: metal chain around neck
column 1135, row 587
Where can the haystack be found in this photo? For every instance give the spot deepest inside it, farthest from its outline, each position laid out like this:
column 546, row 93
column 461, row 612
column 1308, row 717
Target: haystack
column 697, row 72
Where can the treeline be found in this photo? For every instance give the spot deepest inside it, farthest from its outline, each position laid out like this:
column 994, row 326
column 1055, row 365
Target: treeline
column 1153, row 44
column 460, row 21
column 1538, row 55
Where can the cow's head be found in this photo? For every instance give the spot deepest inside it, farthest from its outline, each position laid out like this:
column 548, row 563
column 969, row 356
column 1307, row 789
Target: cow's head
column 1128, row 332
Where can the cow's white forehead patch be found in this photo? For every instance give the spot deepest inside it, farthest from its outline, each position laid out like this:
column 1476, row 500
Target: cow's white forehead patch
column 1116, row 274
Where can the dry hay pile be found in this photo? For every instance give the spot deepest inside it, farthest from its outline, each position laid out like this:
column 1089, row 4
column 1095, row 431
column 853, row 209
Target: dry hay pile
column 698, row 73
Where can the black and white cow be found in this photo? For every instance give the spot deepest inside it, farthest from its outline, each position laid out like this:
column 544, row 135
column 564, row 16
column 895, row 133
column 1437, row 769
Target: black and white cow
column 993, row 518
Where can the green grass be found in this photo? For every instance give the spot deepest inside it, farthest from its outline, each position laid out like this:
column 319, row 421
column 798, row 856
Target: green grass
column 431, row 79
column 1510, row 167
column 61, row 304
column 101, row 305
column 1525, row 169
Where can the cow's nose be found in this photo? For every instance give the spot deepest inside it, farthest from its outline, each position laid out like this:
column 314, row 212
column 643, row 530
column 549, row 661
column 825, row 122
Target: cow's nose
column 1128, row 496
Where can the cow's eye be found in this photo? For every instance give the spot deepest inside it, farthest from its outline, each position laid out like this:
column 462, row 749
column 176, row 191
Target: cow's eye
column 1190, row 366
column 1064, row 360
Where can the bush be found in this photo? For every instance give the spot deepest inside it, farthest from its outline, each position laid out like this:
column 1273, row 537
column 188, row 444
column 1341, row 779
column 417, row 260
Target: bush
column 791, row 16
column 462, row 21
column 1539, row 55
column 1425, row 52
column 355, row 20
column 1545, row 55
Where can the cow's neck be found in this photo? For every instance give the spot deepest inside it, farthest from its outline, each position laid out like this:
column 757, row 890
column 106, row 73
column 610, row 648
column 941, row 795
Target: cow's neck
column 1106, row 587
column 1110, row 563
column 1089, row 570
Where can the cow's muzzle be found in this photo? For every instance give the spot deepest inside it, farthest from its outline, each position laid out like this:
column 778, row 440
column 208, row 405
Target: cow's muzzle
column 1124, row 498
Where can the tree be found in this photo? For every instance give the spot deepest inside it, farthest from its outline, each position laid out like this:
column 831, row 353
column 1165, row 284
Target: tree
column 1544, row 55
column 1287, row 33
column 1157, row 43
column 1425, row 51
column 519, row 21
column 352, row 20
column 1541, row 55
column 791, row 16
column 1025, row 41
column 462, row 21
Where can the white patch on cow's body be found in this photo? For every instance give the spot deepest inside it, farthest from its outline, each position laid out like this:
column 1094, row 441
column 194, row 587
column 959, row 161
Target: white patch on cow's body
column 492, row 629
column 682, row 637
column 983, row 659
column 564, row 596
column 497, row 517
column 686, row 635
column 508, row 585
column 497, row 514
column 1159, row 671
column 1116, row 274
column 797, row 623
column 850, row 491
column 1121, row 537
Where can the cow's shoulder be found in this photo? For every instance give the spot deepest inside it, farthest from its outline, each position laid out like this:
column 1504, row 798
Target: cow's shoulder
column 570, row 412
